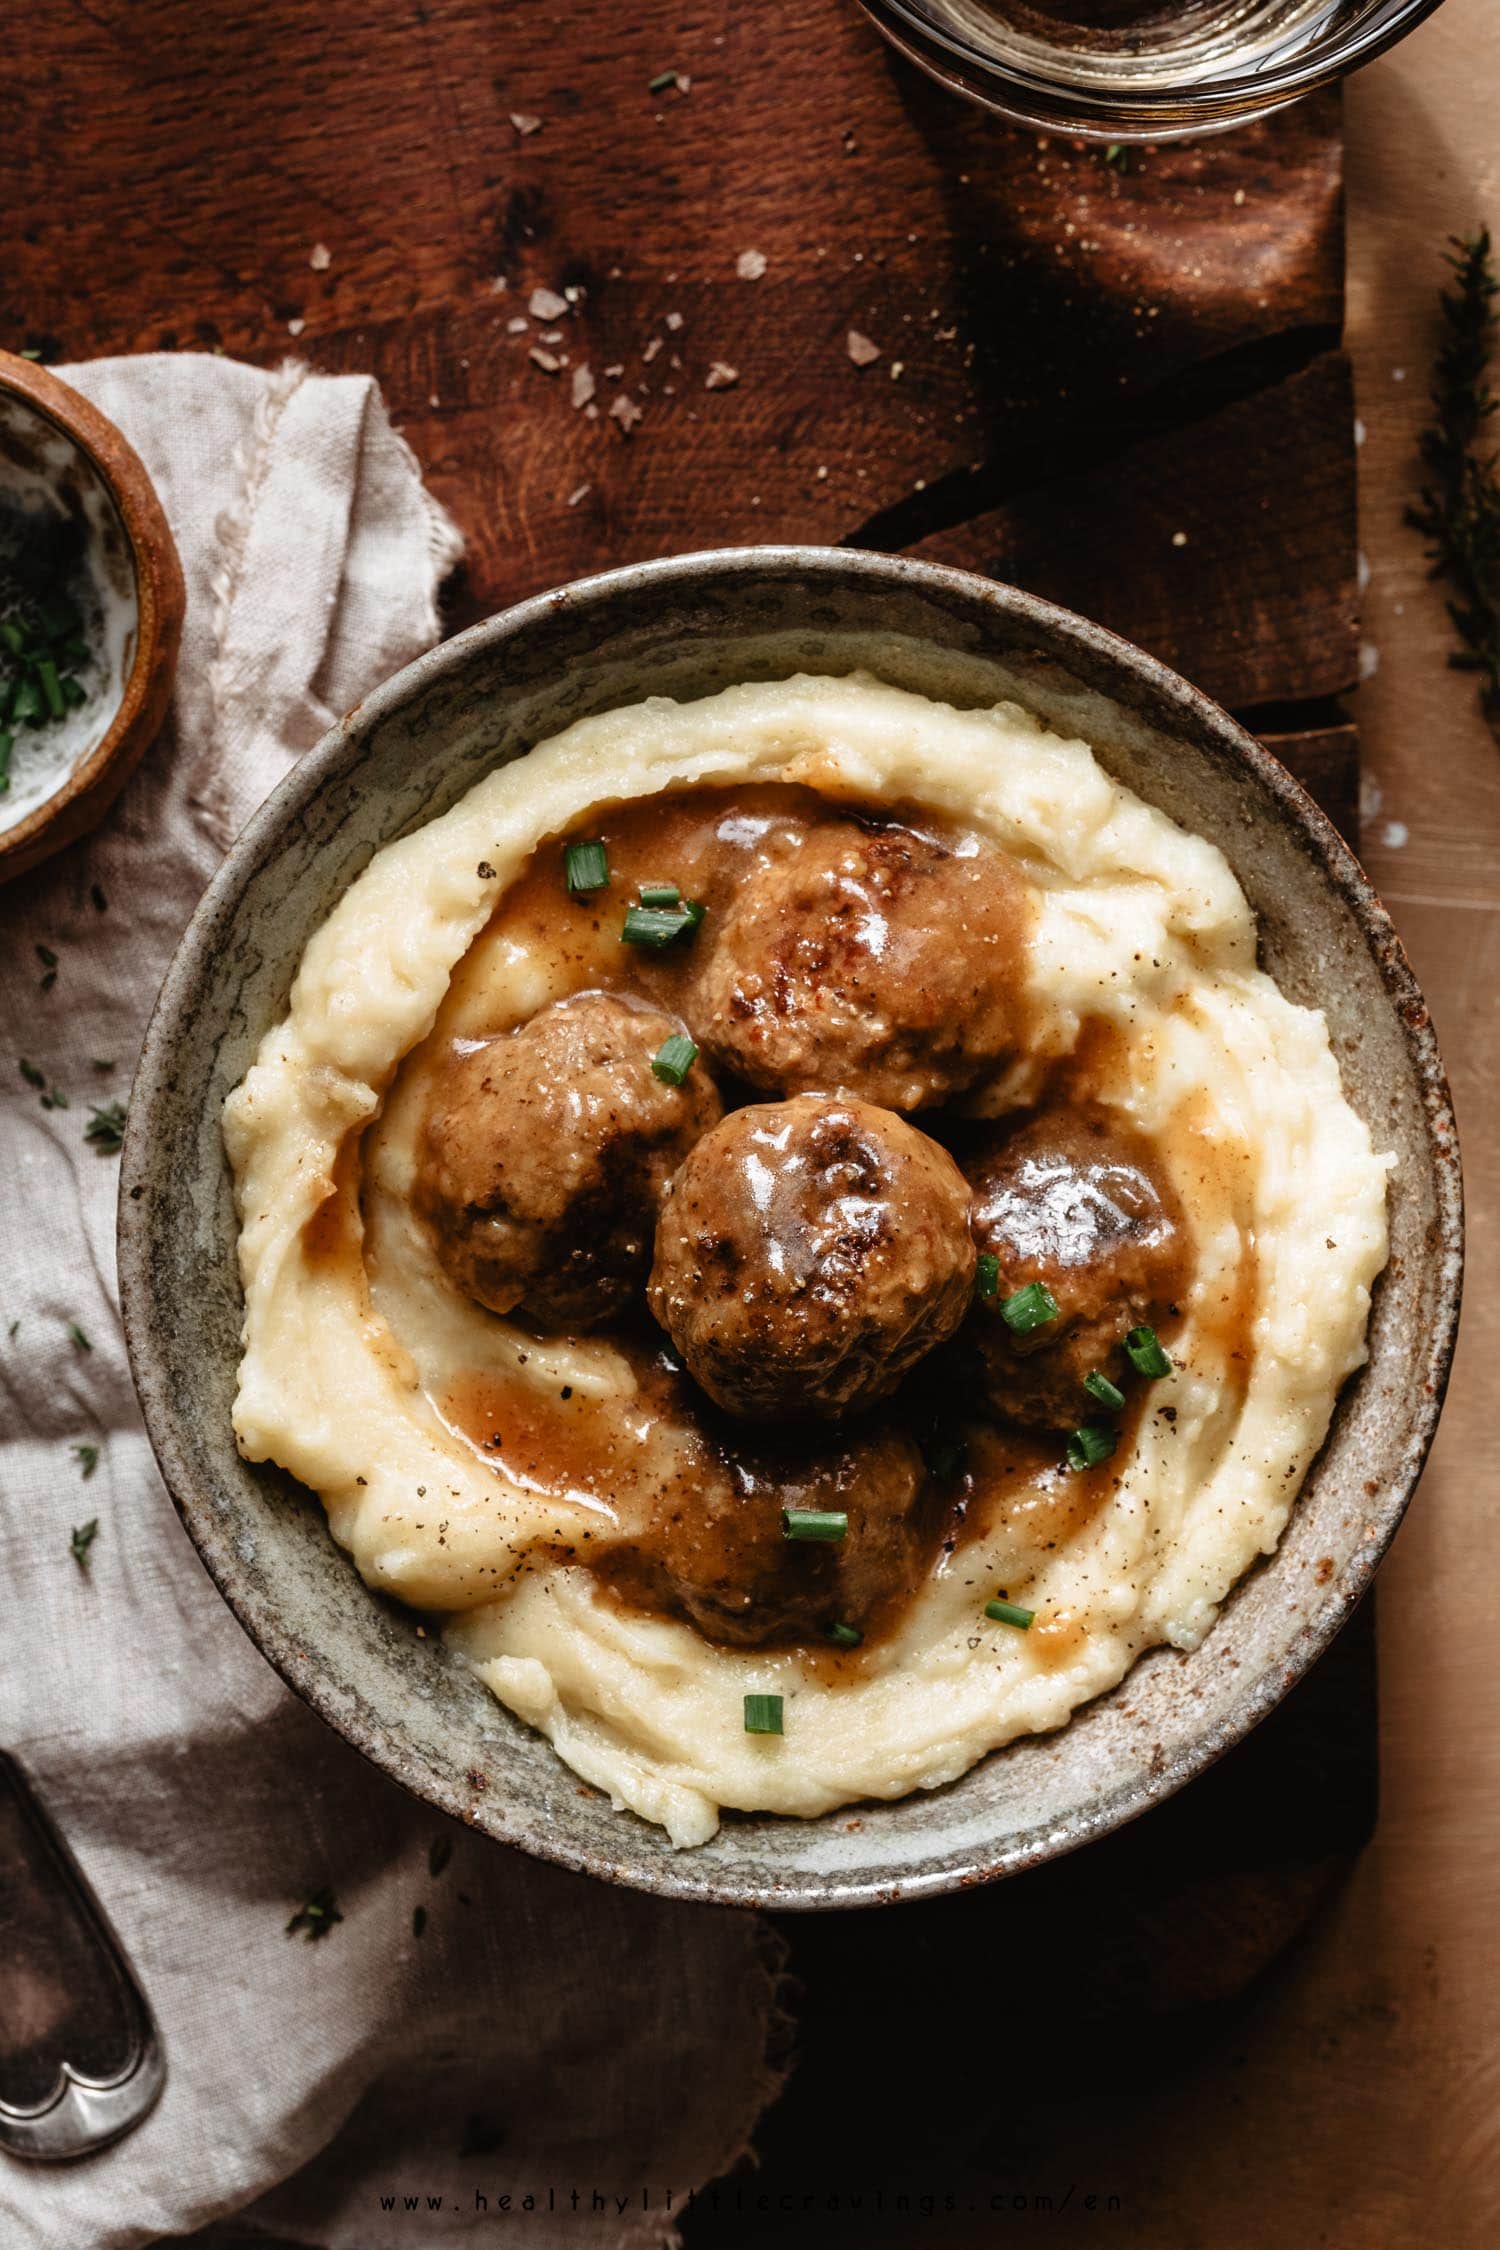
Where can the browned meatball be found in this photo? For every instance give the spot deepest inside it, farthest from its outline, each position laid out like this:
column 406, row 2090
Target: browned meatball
column 723, row 1560
column 808, row 1253
column 1076, row 1201
column 544, row 1156
column 873, row 960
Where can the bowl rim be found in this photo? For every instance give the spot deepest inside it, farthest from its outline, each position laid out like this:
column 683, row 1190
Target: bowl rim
column 669, row 1876
column 78, row 801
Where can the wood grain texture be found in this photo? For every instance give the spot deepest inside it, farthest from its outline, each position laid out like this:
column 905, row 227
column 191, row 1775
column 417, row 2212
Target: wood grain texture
column 1035, row 309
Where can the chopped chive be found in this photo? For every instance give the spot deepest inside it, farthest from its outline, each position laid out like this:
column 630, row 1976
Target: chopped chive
column 73, row 691
column 658, row 926
column 51, row 686
column 87, row 1457
column 31, row 1074
column 84, row 1535
column 987, row 1275
column 1009, row 1613
column 674, row 1058
column 7, row 744
column 418, row 1920
column 46, row 956
column 439, row 1852
column 26, row 703
column 77, row 1337
column 1145, row 1353
column 844, row 1636
column 763, row 1714
column 587, row 868
column 662, row 80
column 11, row 636
column 1107, row 1393
column 1094, row 1443
column 1029, row 1308
column 660, row 894
column 814, row 1523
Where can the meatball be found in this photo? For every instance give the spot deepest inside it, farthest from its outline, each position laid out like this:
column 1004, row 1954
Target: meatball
column 1075, row 1201
column 808, row 1253
column 872, row 960
column 544, row 1155
column 725, row 1562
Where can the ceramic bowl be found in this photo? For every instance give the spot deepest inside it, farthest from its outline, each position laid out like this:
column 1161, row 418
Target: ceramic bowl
column 72, row 487
column 688, row 627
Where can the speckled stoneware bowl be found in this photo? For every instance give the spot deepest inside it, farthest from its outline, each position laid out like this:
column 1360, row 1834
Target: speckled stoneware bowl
column 688, row 627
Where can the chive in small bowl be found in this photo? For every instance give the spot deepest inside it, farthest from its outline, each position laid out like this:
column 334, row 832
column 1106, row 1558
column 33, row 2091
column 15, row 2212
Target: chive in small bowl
column 91, row 608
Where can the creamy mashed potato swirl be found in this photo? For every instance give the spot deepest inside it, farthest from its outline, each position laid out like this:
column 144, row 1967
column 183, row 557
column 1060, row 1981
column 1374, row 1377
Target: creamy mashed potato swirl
column 1140, row 941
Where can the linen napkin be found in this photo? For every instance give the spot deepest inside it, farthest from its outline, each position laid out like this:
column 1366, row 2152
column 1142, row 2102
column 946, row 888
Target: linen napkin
column 476, row 2027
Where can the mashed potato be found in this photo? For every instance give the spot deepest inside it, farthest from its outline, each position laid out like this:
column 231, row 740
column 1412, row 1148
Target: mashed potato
column 1139, row 940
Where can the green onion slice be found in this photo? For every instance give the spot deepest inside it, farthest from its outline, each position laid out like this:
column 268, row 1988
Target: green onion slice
column 660, row 894
column 1107, row 1393
column 1031, row 1307
column 845, row 1636
column 658, row 926
column 1145, row 1353
column 587, row 868
column 987, row 1275
column 814, row 1523
column 674, row 1058
column 1094, row 1443
column 1009, row 1613
column 763, row 1714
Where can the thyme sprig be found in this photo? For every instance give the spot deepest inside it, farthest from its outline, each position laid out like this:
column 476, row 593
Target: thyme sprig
column 1458, row 512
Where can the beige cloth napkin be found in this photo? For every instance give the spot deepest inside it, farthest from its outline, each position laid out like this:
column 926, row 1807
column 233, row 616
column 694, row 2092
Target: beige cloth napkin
column 542, row 2034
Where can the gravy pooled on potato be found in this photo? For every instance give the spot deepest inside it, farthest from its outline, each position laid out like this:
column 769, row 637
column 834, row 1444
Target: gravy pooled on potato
column 544, row 1157
column 1075, row 1201
column 808, row 1253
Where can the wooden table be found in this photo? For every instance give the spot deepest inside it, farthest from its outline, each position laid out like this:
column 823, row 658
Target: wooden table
column 200, row 162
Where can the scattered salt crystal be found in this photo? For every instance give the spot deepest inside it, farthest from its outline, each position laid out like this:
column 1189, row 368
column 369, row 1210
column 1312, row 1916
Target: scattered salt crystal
column 583, row 385
column 518, row 326
column 720, row 376
column 552, row 336
column 545, row 304
column 1395, row 834
column 674, row 321
column 625, row 412
column 750, row 264
column 524, row 124
column 1179, row 539
column 295, row 327
column 499, row 285
column 579, row 492
column 548, row 362
column 1371, row 796
column 1369, row 660
column 898, row 369
column 1361, row 571
column 861, row 350
column 822, row 475
column 614, row 373
column 1359, row 431
column 320, row 257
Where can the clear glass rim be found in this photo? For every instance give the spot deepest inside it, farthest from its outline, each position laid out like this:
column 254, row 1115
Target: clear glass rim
column 1055, row 98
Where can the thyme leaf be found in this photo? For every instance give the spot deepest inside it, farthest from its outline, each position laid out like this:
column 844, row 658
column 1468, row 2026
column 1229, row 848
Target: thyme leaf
column 84, row 1535
column 316, row 1917
column 1458, row 509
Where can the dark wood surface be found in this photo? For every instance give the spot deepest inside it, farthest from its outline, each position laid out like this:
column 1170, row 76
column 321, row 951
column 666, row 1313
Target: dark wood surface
column 1121, row 387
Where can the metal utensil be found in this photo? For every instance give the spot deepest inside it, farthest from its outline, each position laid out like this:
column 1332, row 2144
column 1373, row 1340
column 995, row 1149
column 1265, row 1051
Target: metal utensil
column 81, row 2061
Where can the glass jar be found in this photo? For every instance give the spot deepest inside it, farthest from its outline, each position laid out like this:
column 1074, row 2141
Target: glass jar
column 1141, row 70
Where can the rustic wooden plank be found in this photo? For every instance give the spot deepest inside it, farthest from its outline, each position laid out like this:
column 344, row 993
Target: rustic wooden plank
column 1226, row 547
column 1030, row 293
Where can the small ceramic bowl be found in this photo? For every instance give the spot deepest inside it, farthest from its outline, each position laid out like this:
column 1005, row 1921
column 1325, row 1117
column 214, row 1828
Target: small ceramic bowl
column 73, row 491
column 686, row 628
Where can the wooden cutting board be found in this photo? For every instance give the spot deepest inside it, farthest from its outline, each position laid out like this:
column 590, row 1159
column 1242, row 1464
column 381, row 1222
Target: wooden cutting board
column 1117, row 383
